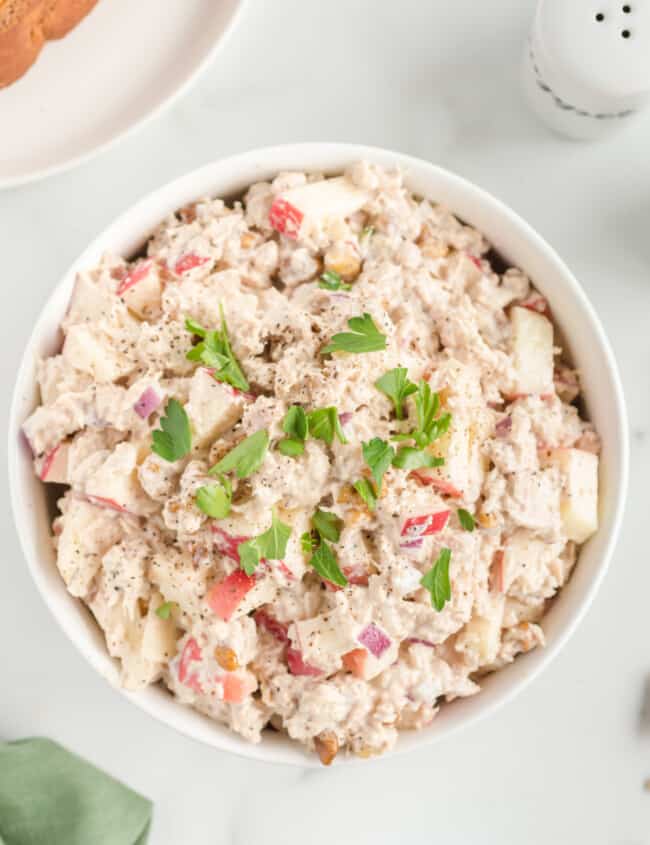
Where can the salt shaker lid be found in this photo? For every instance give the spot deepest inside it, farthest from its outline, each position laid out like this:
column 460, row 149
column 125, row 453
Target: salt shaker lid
column 602, row 44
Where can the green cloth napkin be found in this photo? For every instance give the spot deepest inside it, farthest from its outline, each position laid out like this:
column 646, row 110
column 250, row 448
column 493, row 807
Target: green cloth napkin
column 49, row 796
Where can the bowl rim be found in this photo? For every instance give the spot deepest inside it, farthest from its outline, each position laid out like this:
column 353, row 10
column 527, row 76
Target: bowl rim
column 266, row 160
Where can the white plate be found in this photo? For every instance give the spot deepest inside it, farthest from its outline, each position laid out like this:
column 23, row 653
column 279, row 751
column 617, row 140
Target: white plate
column 120, row 66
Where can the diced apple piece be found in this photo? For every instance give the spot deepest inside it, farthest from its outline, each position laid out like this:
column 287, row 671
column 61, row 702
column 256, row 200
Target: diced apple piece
column 315, row 203
column 88, row 533
column 236, row 686
column 84, row 351
column 452, row 478
column 579, row 499
column 354, row 661
column 298, row 666
column 226, row 596
column 186, row 671
column 54, row 466
column 482, row 634
column 362, row 664
column 114, row 483
column 90, row 302
column 141, row 290
column 158, row 635
column 324, row 639
column 532, row 348
column 264, row 591
column 240, row 593
column 212, row 408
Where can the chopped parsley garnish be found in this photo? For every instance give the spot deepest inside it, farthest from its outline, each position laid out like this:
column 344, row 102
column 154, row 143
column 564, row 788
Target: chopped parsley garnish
column 396, row 385
column 437, row 582
column 366, row 489
column 215, row 499
column 215, row 351
column 174, row 441
column 327, row 524
column 165, row 610
column 308, row 542
column 430, row 426
column 378, row 455
column 325, row 563
column 364, row 337
column 295, row 425
column 271, row 545
column 466, row 519
column 324, row 424
column 291, row 448
column 246, row 458
column 427, row 405
column 330, row 280
column 409, row 458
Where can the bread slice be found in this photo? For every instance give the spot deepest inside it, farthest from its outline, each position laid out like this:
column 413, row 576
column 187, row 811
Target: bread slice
column 25, row 25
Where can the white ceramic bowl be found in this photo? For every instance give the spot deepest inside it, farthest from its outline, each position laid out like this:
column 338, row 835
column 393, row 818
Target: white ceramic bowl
column 586, row 342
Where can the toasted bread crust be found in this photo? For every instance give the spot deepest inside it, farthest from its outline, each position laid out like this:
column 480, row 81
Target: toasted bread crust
column 25, row 25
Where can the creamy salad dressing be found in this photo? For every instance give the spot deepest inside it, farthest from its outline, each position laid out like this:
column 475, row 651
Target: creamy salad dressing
column 335, row 667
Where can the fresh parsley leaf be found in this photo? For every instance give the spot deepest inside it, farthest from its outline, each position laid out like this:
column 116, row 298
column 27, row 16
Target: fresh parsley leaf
column 174, row 441
column 427, row 404
column 430, row 426
column 215, row 499
column 249, row 556
column 325, row 563
column 165, row 610
column 379, row 456
column 295, row 423
column 271, row 545
column 194, row 327
column 324, row 424
column 216, row 352
column 409, row 458
column 396, row 385
column 308, row 542
column 437, row 582
column 246, row 458
column 364, row 337
column 366, row 489
column 327, row 524
column 330, row 280
column 466, row 519
column 291, row 448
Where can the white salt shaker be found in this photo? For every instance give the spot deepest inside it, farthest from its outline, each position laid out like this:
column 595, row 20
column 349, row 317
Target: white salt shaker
column 587, row 64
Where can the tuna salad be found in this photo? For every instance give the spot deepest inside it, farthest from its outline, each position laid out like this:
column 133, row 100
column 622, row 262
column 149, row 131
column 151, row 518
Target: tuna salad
column 324, row 467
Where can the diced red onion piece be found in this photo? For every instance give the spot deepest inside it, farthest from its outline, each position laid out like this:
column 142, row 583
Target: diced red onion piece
column 412, row 544
column 345, row 417
column 419, row 641
column 502, row 428
column 374, row 639
column 147, row 403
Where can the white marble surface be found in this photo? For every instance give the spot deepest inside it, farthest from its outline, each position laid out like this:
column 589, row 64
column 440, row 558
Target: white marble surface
column 564, row 763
